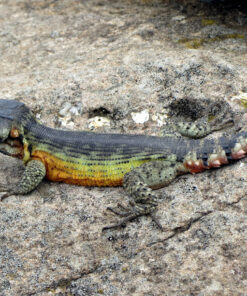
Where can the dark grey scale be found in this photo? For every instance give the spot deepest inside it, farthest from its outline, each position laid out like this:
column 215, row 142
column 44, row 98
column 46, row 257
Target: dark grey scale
column 116, row 160
column 180, row 148
column 148, row 157
column 74, row 153
column 56, row 138
column 42, row 141
column 103, row 148
column 227, row 150
column 241, row 134
column 71, row 160
column 205, row 159
column 228, row 143
column 228, row 153
column 133, row 149
column 84, row 141
column 204, row 148
column 121, row 158
column 229, row 157
column 101, row 155
column 121, row 162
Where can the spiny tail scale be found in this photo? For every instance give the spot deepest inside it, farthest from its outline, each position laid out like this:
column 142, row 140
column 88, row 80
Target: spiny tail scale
column 215, row 153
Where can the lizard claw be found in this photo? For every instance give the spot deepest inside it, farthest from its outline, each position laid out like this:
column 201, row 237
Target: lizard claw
column 130, row 215
column 156, row 221
column 122, row 210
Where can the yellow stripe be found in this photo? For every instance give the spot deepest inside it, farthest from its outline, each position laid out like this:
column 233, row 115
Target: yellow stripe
column 105, row 173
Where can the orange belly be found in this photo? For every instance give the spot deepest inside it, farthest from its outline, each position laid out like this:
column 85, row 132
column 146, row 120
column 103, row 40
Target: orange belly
column 64, row 171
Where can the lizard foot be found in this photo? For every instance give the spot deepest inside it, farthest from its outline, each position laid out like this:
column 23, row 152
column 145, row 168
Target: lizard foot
column 130, row 215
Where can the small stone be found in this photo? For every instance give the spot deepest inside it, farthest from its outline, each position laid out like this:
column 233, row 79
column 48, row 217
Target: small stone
column 98, row 121
column 178, row 18
column 140, row 117
column 161, row 119
column 75, row 110
column 63, row 112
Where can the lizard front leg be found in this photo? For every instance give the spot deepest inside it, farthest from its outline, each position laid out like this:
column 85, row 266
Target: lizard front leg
column 34, row 173
column 138, row 183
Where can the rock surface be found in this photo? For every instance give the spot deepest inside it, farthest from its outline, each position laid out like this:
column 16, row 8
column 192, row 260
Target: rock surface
column 76, row 63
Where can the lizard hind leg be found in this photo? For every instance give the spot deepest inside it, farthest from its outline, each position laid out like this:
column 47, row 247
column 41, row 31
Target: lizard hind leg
column 138, row 183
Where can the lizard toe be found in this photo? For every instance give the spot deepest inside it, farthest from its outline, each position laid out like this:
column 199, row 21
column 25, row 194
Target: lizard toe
column 120, row 210
column 122, row 222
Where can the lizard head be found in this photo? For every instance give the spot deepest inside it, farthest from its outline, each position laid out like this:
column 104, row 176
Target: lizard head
column 10, row 135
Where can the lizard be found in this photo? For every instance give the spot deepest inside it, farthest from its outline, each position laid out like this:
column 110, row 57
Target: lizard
column 139, row 163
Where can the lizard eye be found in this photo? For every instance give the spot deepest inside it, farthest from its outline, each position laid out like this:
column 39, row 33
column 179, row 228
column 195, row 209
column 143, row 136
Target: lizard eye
column 14, row 133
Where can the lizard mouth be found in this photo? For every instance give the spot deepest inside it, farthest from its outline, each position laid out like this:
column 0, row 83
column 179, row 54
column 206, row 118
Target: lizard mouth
column 12, row 147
